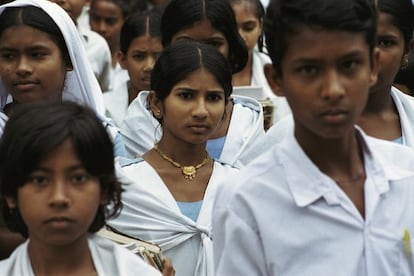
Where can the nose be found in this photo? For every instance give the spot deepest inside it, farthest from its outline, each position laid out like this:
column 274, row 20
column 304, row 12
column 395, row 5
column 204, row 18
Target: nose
column 332, row 86
column 58, row 196
column 24, row 67
column 149, row 64
column 102, row 27
column 200, row 110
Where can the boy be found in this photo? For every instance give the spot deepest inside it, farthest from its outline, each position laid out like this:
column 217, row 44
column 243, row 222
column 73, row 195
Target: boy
column 327, row 200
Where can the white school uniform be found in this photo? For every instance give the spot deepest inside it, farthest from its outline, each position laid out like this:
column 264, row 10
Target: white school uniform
column 140, row 130
column 99, row 56
column 116, row 103
column 151, row 213
column 284, row 216
column 109, row 259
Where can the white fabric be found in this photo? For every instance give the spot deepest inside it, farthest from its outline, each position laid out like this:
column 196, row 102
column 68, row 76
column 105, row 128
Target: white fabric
column 99, row 56
column 80, row 84
column 151, row 213
column 116, row 103
column 405, row 108
column 259, row 79
column 285, row 217
column 109, row 259
column 119, row 76
column 140, row 130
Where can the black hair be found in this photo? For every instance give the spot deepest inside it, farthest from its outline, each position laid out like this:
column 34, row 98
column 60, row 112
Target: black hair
column 33, row 131
column 38, row 19
column 285, row 17
column 139, row 24
column 181, row 14
column 259, row 12
column 402, row 13
column 127, row 6
column 180, row 59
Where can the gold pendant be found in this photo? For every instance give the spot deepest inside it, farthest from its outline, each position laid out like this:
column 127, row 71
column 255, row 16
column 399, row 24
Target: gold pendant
column 189, row 172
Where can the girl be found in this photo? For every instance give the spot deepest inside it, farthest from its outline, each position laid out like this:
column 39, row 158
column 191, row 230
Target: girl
column 42, row 59
column 249, row 17
column 173, row 186
column 211, row 22
column 389, row 113
column 140, row 45
column 57, row 181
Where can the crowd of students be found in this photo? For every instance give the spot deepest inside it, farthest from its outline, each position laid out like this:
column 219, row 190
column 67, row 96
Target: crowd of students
column 148, row 117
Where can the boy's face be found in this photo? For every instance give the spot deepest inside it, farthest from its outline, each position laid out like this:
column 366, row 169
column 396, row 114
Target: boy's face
column 326, row 76
column 72, row 7
column 59, row 200
column 106, row 18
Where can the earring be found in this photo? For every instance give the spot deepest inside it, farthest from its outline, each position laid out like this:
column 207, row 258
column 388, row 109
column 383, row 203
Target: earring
column 404, row 62
column 157, row 114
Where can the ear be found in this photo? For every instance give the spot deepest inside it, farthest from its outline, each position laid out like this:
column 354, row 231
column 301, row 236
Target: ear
column 121, row 59
column 11, row 202
column 69, row 66
column 156, row 105
column 273, row 79
column 374, row 67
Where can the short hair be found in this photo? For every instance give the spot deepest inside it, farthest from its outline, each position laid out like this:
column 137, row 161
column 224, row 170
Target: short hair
column 139, row 24
column 402, row 13
column 181, row 14
column 38, row 19
column 33, row 131
column 285, row 17
column 126, row 6
column 259, row 12
column 180, row 59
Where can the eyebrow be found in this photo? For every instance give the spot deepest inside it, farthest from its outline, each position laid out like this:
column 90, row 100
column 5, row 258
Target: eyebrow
column 70, row 169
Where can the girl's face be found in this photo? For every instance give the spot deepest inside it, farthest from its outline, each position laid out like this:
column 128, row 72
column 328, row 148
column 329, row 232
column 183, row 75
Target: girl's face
column 250, row 27
column 59, row 200
column 390, row 42
column 204, row 32
column 31, row 65
column 193, row 110
column 106, row 18
column 140, row 59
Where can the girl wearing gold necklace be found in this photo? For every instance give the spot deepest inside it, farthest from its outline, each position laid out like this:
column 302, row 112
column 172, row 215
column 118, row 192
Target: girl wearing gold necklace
column 173, row 186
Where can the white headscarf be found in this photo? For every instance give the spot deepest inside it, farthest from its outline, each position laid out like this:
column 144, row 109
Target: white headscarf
column 80, row 84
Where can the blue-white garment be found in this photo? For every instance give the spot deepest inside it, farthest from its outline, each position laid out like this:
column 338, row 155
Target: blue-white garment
column 140, row 130
column 190, row 209
column 116, row 103
column 150, row 212
column 109, row 259
column 283, row 216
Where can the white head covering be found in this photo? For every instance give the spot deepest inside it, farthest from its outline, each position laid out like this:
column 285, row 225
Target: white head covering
column 80, row 84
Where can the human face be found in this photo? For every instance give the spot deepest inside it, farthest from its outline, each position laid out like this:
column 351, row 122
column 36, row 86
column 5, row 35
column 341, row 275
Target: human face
column 59, row 200
column 325, row 78
column 250, row 27
column 140, row 59
column 193, row 110
column 72, row 7
column 390, row 43
column 106, row 18
column 28, row 59
column 204, row 32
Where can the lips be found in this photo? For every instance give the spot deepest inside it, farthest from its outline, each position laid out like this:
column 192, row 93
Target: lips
column 24, row 85
column 59, row 222
column 199, row 128
column 334, row 116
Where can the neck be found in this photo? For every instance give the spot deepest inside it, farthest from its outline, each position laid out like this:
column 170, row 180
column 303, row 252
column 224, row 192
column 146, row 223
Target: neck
column 341, row 158
column 379, row 101
column 183, row 153
column 243, row 78
column 132, row 92
column 61, row 260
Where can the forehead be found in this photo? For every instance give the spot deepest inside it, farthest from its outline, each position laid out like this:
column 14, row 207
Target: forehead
column 200, row 31
column 245, row 9
column 105, row 8
column 146, row 42
column 312, row 43
column 23, row 35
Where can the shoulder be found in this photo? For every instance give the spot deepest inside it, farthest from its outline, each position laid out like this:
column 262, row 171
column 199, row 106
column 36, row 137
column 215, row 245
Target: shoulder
column 246, row 103
column 125, row 162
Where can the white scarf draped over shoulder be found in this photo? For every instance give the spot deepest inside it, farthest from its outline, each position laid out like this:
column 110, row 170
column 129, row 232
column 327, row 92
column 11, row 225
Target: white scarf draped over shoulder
column 80, row 84
column 151, row 213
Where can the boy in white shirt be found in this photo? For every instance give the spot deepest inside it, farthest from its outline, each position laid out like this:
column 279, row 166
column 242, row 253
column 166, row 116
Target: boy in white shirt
column 327, row 200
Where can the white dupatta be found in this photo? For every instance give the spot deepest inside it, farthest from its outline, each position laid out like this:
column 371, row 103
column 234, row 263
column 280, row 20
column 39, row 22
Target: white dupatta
column 80, row 84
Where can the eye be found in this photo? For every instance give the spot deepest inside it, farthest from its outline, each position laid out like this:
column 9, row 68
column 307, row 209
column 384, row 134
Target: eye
column 139, row 56
column 249, row 27
column 215, row 96
column 38, row 55
column 38, row 179
column 350, row 65
column 7, row 56
column 385, row 43
column 78, row 178
column 214, row 43
column 185, row 95
column 307, row 70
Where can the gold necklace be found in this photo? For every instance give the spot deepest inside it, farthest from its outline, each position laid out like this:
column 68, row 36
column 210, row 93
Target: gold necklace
column 189, row 172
